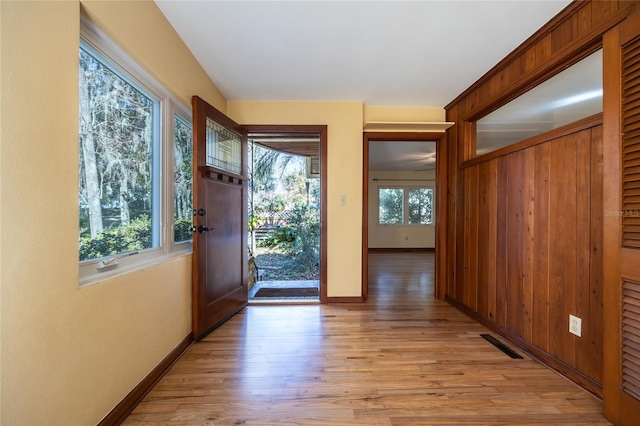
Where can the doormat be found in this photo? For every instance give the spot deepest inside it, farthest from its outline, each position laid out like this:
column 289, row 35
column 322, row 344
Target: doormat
column 287, row 292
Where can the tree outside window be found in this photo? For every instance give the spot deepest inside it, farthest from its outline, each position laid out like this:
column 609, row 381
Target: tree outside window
column 391, row 206
column 183, row 180
column 405, row 206
column 116, row 188
column 421, row 206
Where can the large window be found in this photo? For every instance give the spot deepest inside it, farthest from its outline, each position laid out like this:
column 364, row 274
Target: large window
column 119, row 137
column 405, row 206
column 126, row 187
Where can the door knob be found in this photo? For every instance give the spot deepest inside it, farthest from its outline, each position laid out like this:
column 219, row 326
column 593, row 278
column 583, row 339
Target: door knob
column 202, row 229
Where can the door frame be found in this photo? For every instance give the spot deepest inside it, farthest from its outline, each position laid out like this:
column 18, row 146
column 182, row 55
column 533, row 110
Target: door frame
column 441, row 202
column 322, row 131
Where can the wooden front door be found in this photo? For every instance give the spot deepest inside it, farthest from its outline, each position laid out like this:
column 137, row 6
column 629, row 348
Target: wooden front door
column 621, row 368
column 220, row 222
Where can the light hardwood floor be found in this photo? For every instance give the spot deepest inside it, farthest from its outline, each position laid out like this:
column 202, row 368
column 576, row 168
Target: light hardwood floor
column 401, row 358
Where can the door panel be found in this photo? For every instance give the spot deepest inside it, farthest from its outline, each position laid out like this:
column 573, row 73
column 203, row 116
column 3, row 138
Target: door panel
column 222, row 244
column 220, row 203
column 622, row 224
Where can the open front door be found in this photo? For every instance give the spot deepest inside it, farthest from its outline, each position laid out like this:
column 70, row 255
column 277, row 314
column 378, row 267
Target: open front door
column 220, row 222
column 622, row 223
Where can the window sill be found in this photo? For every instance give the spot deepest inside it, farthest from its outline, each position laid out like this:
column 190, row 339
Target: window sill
column 91, row 275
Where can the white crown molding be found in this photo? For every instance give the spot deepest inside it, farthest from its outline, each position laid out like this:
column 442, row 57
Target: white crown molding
column 407, row 126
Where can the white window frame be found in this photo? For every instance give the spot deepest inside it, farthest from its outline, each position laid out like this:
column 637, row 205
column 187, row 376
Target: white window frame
column 405, row 204
column 97, row 42
column 185, row 114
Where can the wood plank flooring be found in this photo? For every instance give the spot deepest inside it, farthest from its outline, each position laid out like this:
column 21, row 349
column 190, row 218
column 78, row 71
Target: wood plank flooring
column 401, row 358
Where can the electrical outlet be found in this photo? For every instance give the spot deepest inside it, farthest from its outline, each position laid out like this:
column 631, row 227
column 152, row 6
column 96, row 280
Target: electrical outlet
column 575, row 325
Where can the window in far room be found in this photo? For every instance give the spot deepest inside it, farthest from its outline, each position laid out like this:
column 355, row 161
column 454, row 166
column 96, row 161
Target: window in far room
column 405, row 206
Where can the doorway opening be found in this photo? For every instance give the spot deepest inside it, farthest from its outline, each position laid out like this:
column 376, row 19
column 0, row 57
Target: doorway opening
column 402, row 182
column 286, row 215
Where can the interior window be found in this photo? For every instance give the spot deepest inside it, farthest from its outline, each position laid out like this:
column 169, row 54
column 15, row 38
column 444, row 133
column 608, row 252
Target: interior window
column 571, row 95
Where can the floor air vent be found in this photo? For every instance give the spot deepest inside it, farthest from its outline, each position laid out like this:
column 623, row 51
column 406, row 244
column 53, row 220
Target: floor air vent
column 504, row 348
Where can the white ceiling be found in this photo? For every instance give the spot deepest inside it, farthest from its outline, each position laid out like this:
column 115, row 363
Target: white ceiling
column 384, row 53
column 402, row 156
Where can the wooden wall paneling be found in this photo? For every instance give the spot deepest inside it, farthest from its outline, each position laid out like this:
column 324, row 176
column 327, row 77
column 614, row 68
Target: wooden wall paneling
column 461, row 236
column 528, row 243
column 584, row 20
column 485, row 257
column 602, row 10
column 589, row 346
column 595, row 348
column 484, row 92
column 454, row 211
column 528, row 60
column 472, row 100
column 543, row 50
column 493, row 238
column 501, row 242
column 516, row 69
column 541, row 328
column 583, row 242
column 564, row 34
column 515, row 236
column 442, row 226
column 452, row 196
column 466, row 242
column 473, row 239
column 562, row 251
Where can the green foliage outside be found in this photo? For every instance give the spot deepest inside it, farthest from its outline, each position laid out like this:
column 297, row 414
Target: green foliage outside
column 391, row 202
column 286, row 202
column 117, row 129
column 134, row 236
column 298, row 238
column 421, row 206
column 182, row 229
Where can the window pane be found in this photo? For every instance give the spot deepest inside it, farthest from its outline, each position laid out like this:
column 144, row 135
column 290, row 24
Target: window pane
column 421, row 206
column 183, row 186
column 391, row 202
column 223, row 148
column 569, row 96
column 116, row 162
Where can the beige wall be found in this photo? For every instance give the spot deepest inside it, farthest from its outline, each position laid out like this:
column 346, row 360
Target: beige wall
column 69, row 355
column 344, row 175
column 398, row 236
column 404, row 114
